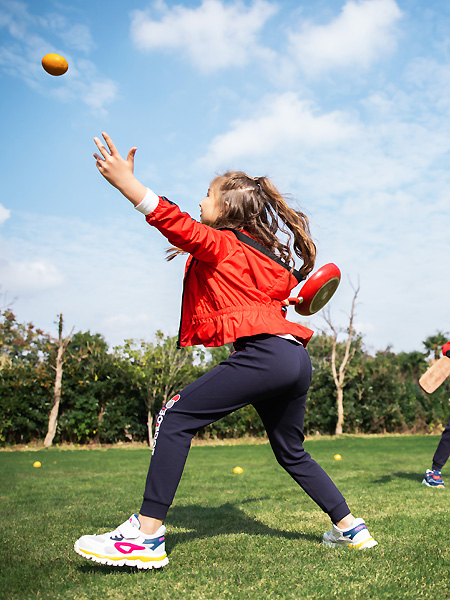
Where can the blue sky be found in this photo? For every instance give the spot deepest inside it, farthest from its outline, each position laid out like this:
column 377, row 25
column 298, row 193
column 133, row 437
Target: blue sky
column 344, row 104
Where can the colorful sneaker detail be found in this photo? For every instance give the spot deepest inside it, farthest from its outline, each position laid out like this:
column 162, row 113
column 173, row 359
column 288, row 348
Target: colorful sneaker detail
column 125, row 546
column 357, row 536
column 433, row 479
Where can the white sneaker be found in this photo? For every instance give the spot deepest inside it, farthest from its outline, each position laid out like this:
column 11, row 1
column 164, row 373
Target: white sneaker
column 357, row 536
column 126, row 545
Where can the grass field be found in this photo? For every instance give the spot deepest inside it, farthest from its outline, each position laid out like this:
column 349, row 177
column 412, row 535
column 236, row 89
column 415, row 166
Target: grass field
column 254, row 535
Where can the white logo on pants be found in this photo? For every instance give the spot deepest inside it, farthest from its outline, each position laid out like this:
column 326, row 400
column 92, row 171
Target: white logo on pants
column 160, row 418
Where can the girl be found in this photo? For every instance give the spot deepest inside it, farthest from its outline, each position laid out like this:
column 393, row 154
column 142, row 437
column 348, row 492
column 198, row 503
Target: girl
column 238, row 275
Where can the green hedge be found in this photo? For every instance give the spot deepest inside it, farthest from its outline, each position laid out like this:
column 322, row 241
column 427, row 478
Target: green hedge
column 105, row 393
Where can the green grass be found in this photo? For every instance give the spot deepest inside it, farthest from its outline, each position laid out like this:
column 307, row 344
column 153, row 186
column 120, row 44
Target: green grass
column 254, row 535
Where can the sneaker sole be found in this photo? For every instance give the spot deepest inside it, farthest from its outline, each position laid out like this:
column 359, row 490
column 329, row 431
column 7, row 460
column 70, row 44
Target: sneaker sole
column 370, row 543
column 440, row 485
column 113, row 561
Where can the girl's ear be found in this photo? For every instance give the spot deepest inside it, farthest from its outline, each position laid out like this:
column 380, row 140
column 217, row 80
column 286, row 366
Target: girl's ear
column 227, row 207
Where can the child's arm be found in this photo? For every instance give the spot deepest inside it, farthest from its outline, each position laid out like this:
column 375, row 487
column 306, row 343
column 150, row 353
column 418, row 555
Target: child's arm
column 203, row 242
column 119, row 172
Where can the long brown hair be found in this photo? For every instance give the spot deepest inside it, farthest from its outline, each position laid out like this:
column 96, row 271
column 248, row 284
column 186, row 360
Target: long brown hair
column 255, row 205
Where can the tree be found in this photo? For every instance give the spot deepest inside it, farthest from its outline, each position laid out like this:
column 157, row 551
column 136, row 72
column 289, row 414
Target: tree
column 412, row 364
column 89, row 377
column 339, row 373
column 165, row 369
column 19, row 342
column 434, row 343
column 320, row 416
column 53, row 417
column 24, row 379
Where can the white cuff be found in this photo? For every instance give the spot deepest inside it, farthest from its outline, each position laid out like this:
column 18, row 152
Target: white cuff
column 149, row 203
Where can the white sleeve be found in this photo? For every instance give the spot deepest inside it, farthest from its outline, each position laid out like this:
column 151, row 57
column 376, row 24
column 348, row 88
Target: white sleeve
column 148, row 203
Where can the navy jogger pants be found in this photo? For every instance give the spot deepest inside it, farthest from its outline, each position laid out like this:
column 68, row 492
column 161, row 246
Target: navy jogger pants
column 443, row 450
column 271, row 373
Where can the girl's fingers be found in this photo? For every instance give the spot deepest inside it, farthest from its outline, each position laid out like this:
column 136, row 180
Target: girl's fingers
column 101, row 148
column 110, row 143
column 130, row 156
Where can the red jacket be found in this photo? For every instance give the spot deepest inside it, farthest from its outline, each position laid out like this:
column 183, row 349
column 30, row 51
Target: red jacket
column 230, row 289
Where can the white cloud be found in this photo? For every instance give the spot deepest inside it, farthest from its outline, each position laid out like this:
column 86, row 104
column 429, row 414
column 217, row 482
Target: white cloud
column 429, row 81
column 128, row 326
column 280, row 124
column 33, row 276
column 214, row 35
column 4, row 214
column 75, row 36
column 22, row 25
column 362, row 33
column 83, row 83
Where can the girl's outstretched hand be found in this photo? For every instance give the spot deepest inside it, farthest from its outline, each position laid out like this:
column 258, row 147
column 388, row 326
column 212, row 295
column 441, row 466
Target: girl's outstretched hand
column 117, row 171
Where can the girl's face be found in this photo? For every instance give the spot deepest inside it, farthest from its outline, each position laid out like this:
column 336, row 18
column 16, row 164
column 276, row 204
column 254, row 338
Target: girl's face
column 209, row 207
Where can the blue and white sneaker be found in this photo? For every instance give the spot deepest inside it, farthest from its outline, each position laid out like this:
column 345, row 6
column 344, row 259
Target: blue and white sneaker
column 433, row 479
column 125, row 546
column 357, row 536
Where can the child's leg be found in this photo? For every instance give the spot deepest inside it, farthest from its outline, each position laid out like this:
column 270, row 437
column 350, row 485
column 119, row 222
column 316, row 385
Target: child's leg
column 283, row 418
column 283, row 422
column 263, row 368
column 443, row 450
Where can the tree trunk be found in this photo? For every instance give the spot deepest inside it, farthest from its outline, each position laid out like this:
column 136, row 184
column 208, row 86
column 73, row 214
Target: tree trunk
column 339, row 374
column 100, row 421
column 53, row 419
column 150, row 428
column 340, row 411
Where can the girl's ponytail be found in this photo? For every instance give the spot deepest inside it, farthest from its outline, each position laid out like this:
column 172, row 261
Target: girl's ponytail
column 297, row 223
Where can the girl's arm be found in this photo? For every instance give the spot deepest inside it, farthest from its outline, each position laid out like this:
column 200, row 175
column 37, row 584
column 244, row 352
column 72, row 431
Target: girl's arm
column 119, row 172
column 203, row 242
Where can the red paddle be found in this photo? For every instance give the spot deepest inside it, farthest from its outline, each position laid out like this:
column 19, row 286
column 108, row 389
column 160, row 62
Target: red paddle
column 317, row 290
